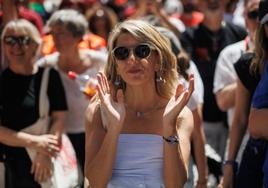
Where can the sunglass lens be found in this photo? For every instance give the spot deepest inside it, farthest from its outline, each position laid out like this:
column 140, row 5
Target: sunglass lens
column 10, row 40
column 253, row 14
column 24, row 40
column 142, row 51
column 121, row 53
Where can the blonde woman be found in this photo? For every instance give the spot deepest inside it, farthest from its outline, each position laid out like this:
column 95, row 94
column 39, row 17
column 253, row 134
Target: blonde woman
column 20, row 85
column 138, row 132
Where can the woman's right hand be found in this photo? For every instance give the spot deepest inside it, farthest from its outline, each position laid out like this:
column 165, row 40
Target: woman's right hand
column 47, row 144
column 227, row 179
column 114, row 111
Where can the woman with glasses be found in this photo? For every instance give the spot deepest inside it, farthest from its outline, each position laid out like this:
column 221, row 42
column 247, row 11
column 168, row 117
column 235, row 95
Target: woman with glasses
column 21, row 101
column 138, row 131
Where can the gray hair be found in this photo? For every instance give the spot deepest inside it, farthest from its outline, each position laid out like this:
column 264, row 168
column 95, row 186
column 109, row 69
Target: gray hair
column 72, row 20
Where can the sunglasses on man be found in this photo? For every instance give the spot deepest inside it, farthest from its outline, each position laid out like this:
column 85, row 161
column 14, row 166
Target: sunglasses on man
column 140, row 51
column 20, row 40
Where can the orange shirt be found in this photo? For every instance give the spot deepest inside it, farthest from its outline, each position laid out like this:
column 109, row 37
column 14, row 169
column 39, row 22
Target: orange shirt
column 90, row 41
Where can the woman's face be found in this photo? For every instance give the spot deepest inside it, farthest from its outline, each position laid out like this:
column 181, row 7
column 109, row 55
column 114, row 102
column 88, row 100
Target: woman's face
column 135, row 70
column 19, row 48
column 63, row 38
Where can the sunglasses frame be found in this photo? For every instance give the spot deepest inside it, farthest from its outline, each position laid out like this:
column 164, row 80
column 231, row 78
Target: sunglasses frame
column 133, row 51
column 20, row 40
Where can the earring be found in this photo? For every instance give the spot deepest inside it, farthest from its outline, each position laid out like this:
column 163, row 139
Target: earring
column 159, row 77
column 117, row 81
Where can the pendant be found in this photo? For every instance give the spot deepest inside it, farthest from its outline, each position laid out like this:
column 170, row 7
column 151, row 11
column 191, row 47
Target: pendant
column 138, row 114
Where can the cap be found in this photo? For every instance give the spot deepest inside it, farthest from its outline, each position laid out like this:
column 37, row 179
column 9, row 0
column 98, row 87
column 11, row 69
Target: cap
column 263, row 11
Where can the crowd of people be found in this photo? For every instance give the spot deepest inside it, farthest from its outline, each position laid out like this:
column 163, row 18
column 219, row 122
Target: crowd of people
column 178, row 93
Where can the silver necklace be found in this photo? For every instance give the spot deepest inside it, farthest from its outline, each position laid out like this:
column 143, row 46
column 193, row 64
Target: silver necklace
column 140, row 114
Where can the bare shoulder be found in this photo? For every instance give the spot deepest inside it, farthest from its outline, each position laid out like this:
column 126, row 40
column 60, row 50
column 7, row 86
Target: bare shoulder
column 185, row 120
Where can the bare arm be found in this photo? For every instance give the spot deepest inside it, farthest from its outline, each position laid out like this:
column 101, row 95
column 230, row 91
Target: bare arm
column 9, row 11
column 101, row 144
column 46, row 144
column 176, row 157
column 57, row 124
column 238, row 129
column 198, row 139
column 100, row 149
column 226, row 97
column 178, row 121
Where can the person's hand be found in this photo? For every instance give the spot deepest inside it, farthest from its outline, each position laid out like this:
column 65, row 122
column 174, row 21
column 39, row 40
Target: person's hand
column 114, row 109
column 178, row 102
column 42, row 168
column 47, row 144
column 227, row 179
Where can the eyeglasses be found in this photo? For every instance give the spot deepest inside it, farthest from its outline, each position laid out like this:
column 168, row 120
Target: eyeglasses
column 140, row 51
column 253, row 14
column 20, row 40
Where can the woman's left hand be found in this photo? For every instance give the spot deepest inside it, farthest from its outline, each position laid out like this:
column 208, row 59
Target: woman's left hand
column 178, row 102
column 41, row 168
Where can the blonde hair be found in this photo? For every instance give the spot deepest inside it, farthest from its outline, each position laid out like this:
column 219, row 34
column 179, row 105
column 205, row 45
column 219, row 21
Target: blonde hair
column 143, row 31
column 261, row 48
column 24, row 27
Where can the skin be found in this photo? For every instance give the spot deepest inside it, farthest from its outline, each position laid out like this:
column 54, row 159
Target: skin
column 173, row 118
column 226, row 96
column 258, row 117
column 237, row 132
column 21, row 60
column 198, row 139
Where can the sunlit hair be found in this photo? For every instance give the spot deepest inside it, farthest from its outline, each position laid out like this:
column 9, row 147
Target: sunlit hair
column 261, row 48
column 143, row 31
column 72, row 20
column 23, row 27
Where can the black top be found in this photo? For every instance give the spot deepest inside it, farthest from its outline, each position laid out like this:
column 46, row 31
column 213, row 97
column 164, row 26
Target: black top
column 249, row 81
column 19, row 100
column 204, row 47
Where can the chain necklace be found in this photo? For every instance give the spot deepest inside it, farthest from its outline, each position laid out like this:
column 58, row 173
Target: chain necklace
column 139, row 114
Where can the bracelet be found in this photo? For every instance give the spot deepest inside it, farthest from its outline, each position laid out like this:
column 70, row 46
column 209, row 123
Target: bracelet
column 172, row 140
column 233, row 163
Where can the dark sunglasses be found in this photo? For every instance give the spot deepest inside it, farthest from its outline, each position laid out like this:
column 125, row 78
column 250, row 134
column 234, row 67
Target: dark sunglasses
column 21, row 40
column 140, row 51
column 253, row 14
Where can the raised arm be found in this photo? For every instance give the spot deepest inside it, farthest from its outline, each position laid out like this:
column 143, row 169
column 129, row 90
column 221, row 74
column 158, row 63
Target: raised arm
column 101, row 144
column 9, row 11
column 177, row 121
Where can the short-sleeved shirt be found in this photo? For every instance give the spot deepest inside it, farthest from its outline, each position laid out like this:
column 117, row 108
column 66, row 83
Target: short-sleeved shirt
column 242, row 69
column 19, row 100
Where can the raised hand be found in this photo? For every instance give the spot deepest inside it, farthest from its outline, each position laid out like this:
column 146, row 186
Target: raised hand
column 114, row 111
column 178, row 102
